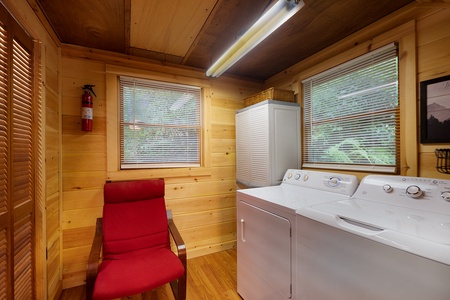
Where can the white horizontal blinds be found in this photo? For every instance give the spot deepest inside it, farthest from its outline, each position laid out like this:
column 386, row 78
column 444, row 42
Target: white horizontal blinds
column 352, row 115
column 160, row 124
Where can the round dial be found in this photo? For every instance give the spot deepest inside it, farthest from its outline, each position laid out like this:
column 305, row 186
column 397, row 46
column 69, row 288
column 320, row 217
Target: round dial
column 413, row 191
column 387, row 188
column 297, row 176
column 446, row 196
column 333, row 181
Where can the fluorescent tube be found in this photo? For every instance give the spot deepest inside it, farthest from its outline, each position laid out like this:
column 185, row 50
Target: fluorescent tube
column 279, row 13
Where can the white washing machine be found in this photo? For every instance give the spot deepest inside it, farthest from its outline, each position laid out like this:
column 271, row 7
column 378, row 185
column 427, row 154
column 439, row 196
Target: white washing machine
column 266, row 228
column 389, row 241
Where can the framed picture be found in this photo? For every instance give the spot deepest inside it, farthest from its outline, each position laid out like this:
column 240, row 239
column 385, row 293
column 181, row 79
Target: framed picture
column 435, row 110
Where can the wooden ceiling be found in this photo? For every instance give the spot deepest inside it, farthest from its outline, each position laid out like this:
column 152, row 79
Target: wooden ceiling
column 195, row 33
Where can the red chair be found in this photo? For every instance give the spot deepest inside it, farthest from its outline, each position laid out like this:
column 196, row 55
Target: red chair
column 134, row 238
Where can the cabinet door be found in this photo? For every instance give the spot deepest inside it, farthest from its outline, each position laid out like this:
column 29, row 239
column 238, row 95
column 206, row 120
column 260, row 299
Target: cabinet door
column 264, row 254
column 285, row 142
column 260, row 163
column 243, row 149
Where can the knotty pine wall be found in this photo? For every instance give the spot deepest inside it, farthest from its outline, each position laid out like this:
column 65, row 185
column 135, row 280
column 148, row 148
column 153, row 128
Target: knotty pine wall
column 433, row 60
column 206, row 216
column 52, row 164
column 422, row 30
column 203, row 203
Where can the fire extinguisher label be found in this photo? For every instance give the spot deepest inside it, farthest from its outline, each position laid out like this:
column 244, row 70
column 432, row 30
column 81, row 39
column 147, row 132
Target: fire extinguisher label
column 86, row 113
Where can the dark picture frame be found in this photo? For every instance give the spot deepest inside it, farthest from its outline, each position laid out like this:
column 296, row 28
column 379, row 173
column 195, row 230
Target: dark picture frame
column 435, row 110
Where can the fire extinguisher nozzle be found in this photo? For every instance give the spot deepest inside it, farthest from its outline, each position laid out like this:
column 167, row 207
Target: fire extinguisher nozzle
column 89, row 87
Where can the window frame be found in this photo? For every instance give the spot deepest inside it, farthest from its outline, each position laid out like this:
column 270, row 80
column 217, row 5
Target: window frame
column 114, row 172
column 391, row 169
column 159, row 85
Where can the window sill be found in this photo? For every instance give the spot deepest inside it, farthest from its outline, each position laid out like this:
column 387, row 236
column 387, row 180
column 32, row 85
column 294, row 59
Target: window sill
column 158, row 173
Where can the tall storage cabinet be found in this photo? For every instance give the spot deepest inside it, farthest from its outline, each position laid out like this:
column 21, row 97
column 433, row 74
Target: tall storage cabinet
column 267, row 142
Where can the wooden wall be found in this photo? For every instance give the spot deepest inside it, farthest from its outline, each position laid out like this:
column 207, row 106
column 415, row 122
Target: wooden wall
column 433, row 61
column 422, row 30
column 75, row 163
column 203, row 203
column 52, row 172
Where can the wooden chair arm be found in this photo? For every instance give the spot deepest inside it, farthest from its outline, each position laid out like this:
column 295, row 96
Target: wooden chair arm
column 181, row 247
column 94, row 259
column 178, row 286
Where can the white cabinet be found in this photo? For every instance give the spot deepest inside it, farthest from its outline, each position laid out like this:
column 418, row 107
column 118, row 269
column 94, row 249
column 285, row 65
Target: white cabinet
column 267, row 142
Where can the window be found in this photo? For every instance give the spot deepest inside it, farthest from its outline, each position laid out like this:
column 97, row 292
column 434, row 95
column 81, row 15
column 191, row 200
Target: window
column 160, row 124
column 351, row 114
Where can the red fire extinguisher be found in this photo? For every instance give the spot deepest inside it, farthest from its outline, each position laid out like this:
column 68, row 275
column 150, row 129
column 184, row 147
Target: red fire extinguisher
column 86, row 107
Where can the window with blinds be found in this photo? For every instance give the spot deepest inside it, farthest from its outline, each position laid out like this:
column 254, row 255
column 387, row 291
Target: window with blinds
column 160, row 124
column 16, row 160
column 351, row 114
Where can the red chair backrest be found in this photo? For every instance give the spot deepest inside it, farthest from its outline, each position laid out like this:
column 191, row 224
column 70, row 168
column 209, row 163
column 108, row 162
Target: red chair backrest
column 134, row 217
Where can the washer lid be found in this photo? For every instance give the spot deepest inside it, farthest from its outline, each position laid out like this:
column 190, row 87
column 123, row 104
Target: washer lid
column 430, row 226
column 423, row 233
column 291, row 197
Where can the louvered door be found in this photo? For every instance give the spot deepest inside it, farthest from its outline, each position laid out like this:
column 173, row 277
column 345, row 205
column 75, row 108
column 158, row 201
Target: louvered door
column 16, row 161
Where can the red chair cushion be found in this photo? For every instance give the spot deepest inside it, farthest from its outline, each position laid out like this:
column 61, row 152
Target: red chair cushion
column 128, row 191
column 143, row 271
column 134, row 217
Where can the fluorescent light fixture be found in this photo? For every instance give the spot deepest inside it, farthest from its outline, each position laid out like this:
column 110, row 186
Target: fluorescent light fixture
column 279, row 13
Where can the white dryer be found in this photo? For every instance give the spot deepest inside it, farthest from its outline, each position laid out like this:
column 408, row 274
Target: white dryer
column 389, row 241
column 266, row 237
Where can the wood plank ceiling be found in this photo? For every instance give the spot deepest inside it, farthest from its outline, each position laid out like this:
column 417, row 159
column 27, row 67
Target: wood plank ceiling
column 194, row 33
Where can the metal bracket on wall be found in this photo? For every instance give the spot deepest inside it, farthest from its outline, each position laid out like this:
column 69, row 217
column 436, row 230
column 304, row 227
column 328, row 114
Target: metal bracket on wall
column 443, row 160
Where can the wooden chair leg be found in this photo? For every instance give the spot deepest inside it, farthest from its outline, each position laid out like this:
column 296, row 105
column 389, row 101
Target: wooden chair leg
column 179, row 288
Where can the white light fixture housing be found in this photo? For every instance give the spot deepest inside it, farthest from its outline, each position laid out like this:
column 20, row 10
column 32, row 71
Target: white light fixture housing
column 279, row 13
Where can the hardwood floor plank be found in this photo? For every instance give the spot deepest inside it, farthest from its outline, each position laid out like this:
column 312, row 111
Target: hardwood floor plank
column 211, row 277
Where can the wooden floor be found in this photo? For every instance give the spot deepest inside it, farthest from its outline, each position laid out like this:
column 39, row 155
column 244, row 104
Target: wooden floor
column 209, row 277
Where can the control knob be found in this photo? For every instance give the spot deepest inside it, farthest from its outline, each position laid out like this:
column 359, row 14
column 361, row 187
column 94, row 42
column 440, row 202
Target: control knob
column 446, row 196
column 413, row 191
column 387, row 188
column 334, row 181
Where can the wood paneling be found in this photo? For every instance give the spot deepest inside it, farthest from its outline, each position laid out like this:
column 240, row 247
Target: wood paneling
column 423, row 35
column 195, row 195
column 202, row 201
column 433, row 40
column 106, row 32
column 51, row 98
column 433, row 61
column 173, row 35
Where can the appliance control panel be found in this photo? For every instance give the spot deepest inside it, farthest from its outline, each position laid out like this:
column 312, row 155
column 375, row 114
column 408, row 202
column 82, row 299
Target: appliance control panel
column 333, row 182
column 426, row 194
